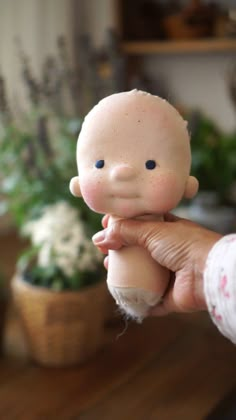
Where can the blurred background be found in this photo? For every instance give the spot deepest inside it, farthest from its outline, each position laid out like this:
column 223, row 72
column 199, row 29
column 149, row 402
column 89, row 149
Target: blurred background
column 58, row 58
column 66, row 57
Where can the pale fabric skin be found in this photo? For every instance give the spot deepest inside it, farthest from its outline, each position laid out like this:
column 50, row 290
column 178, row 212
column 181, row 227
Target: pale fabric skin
column 135, row 280
column 125, row 131
column 177, row 244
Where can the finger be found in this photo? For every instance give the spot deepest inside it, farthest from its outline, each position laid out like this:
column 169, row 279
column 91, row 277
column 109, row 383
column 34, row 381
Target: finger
column 175, row 300
column 105, row 262
column 130, row 232
column 167, row 304
column 103, row 250
column 106, row 239
column 169, row 217
column 105, row 221
column 159, row 310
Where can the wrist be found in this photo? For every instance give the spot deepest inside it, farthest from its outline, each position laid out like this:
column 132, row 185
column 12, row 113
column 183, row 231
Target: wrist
column 219, row 285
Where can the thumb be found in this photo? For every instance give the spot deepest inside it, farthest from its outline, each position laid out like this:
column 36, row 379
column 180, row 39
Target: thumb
column 130, row 232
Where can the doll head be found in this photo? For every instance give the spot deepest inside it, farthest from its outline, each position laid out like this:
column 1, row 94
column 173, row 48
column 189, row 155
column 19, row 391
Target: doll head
column 133, row 156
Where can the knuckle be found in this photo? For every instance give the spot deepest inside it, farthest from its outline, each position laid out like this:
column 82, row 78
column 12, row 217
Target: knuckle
column 149, row 237
column 114, row 234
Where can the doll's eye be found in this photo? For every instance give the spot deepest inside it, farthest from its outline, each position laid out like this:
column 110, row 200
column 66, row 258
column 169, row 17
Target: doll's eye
column 99, row 164
column 150, row 164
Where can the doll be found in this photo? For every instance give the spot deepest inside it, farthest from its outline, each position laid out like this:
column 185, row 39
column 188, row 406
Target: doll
column 133, row 157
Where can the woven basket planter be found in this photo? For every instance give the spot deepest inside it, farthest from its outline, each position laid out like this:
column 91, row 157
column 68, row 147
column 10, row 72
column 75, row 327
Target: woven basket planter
column 61, row 328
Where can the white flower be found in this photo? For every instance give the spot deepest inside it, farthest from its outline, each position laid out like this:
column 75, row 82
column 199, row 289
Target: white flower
column 62, row 239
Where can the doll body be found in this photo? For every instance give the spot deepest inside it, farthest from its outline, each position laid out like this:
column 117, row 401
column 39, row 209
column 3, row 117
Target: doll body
column 133, row 157
column 134, row 279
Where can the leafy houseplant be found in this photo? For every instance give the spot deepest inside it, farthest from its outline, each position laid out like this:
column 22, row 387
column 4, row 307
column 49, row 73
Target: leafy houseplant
column 213, row 156
column 36, row 170
column 214, row 165
column 38, row 148
column 58, row 279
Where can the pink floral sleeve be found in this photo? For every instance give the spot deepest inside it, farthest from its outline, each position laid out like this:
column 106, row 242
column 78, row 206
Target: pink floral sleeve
column 220, row 285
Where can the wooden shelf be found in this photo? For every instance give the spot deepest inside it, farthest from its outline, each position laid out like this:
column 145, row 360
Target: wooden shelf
column 179, row 46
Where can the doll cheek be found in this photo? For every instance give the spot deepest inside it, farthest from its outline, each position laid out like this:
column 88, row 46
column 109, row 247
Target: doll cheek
column 92, row 194
column 165, row 193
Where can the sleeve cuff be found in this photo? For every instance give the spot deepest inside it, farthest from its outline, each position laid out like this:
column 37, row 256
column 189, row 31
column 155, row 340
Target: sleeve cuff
column 220, row 285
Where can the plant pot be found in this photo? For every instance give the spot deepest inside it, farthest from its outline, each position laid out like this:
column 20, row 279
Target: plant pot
column 61, row 328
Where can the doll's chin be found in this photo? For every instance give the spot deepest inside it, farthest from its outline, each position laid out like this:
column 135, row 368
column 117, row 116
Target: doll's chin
column 125, row 212
column 129, row 211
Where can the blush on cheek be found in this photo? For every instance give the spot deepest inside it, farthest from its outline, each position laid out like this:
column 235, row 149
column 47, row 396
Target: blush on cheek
column 92, row 194
column 165, row 193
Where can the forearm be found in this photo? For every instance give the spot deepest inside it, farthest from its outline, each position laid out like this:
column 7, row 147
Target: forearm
column 220, row 285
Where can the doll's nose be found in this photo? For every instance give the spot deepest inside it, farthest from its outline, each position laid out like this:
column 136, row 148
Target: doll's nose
column 122, row 172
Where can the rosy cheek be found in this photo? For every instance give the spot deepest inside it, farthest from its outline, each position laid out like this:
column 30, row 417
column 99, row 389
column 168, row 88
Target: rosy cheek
column 92, row 193
column 164, row 193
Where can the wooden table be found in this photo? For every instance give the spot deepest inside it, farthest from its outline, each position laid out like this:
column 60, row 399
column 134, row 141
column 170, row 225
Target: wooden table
column 172, row 368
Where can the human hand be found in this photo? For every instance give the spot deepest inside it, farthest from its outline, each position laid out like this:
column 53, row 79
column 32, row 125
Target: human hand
column 177, row 244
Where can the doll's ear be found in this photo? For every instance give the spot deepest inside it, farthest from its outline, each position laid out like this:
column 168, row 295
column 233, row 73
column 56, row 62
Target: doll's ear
column 191, row 188
column 75, row 187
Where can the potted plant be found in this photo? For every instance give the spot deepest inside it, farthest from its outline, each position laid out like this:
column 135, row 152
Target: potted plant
column 214, row 165
column 35, row 183
column 59, row 286
column 213, row 156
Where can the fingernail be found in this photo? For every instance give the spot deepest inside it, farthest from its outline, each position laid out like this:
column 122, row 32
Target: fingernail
column 98, row 237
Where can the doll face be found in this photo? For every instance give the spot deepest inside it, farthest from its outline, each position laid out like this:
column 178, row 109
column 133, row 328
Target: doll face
column 133, row 156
